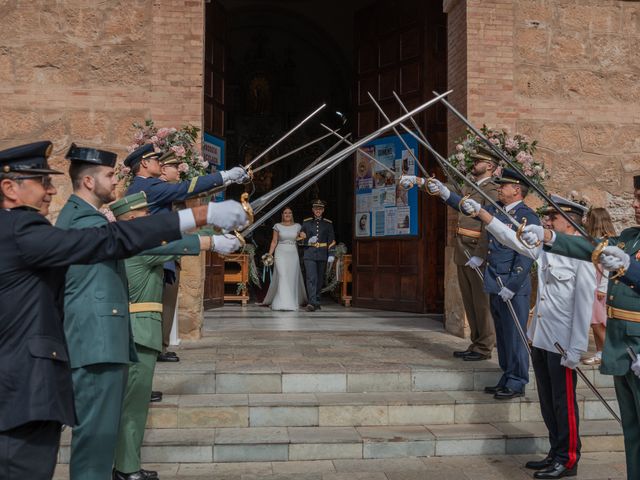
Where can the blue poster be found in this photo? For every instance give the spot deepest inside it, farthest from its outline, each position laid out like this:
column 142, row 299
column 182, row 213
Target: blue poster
column 383, row 208
column 213, row 152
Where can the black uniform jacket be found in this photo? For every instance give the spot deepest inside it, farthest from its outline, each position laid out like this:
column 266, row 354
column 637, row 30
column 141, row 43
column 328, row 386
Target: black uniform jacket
column 35, row 377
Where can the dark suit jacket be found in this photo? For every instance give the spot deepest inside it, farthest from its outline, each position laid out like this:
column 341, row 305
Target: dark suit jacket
column 35, row 377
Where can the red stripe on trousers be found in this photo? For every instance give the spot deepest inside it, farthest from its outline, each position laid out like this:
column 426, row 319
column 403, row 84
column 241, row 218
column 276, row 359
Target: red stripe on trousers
column 573, row 429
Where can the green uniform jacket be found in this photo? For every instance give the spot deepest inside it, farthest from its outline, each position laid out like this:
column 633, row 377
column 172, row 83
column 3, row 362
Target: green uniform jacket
column 96, row 321
column 145, row 274
column 620, row 333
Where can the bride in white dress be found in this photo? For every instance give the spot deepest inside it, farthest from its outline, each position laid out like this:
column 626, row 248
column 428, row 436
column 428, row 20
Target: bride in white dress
column 286, row 291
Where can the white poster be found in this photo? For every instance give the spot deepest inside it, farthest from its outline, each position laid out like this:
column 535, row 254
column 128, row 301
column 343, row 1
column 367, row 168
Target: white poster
column 403, row 220
column 390, row 221
column 363, row 224
column 364, row 202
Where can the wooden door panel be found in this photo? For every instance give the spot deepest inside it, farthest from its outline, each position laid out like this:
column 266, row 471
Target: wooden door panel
column 391, row 273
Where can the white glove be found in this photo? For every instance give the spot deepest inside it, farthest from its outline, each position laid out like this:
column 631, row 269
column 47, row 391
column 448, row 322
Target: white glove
column 474, row 262
column 330, row 259
column 408, row 181
column 225, row 244
column 228, row 215
column 613, row 258
column 635, row 366
column 533, row 234
column 313, row 239
column 470, row 207
column 235, row 175
column 436, row 187
column 570, row 360
column 505, row 294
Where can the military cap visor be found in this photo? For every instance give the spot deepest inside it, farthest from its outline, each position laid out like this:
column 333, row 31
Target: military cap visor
column 636, row 182
column 135, row 201
column 485, row 154
column 318, row 203
column 144, row 152
column 91, row 155
column 169, row 158
column 565, row 205
column 28, row 159
column 512, row 176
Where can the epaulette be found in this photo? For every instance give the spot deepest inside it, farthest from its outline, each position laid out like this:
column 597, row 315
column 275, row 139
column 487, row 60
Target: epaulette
column 308, row 219
column 327, row 220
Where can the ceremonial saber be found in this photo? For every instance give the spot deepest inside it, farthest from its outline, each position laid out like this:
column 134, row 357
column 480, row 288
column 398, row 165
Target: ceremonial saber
column 247, row 231
column 539, row 190
column 453, row 183
column 371, row 157
column 319, row 159
column 302, row 122
column 267, row 198
column 591, row 386
column 632, row 354
column 395, row 130
column 288, row 154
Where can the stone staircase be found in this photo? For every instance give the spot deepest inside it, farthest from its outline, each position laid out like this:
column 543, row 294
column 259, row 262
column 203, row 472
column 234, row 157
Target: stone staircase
column 303, row 396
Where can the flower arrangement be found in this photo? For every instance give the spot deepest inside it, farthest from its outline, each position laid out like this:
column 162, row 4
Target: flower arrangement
column 182, row 142
column 518, row 147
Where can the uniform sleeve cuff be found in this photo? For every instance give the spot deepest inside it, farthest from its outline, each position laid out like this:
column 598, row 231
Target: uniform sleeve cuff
column 187, row 220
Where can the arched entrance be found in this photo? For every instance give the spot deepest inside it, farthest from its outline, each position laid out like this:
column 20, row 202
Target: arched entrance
column 270, row 63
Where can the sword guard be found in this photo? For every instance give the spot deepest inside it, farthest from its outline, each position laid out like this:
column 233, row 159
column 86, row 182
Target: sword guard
column 250, row 174
column 595, row 259
column 244, row 201
column 519, row 236
column 462, row 200
column 427, row 181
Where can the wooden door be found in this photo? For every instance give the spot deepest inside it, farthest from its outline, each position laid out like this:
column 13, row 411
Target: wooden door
column 214, row 117
column 401, row 47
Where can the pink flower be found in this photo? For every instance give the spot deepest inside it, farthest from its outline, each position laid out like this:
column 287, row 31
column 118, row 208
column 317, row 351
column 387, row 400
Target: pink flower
column 498, row 172
column 524, row 157
column 495, row 141
column 154, row 139
column 178, row 150
column 204, row 163
column 183, row 167
column 163, row 132
column 126, row 170
column 138, row 136
column 460, row 156
column 511, row 144
column 459, row 147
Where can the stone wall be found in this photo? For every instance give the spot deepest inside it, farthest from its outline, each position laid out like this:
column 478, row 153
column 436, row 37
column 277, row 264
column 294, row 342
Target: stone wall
column 565, row 72
column 83, row 71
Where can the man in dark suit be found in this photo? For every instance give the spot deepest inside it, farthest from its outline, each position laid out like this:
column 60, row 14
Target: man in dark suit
column 512, row 269
column 318, row 241
column 36, row 396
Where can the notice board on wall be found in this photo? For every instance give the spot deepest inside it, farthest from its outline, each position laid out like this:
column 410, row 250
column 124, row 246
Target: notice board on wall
column 383, row 208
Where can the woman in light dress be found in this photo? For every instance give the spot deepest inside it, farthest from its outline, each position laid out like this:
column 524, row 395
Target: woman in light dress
column 286, row 291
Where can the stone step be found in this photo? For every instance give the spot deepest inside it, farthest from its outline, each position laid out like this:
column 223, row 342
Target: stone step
column 356, row 409
column 282, row 444
column 204, row 378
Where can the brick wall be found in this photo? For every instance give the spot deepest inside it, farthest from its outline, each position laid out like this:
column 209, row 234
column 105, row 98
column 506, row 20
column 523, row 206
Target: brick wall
column 565, row 72
column 84, row 71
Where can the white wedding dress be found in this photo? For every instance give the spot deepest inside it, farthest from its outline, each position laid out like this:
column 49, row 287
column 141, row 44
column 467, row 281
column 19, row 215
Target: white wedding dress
column 286, row 291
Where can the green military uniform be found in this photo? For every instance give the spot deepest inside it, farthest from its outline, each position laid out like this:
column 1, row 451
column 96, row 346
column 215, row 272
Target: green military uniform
column 471, row 237
column 145, row 278
column 623, row 330
column 98, row 336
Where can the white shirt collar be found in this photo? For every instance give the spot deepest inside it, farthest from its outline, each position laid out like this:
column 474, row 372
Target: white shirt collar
column 512, row 205
column 484, row 180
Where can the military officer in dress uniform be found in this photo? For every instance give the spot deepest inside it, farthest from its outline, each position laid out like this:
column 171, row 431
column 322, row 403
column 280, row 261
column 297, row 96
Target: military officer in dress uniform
column 623, row 323
column 145, row 274
column 36, row 393
column 148, row 167
column 96, row 297
column 471, row 238
column 513, row 270
column 318, row 240
column 562, row 315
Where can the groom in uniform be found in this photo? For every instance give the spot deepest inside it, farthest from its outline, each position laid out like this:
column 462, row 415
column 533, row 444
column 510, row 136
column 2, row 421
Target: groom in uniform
column 318, row 242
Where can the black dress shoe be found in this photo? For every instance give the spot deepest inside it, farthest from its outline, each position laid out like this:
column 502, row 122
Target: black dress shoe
column 156, row 397
column 507, row 394
column 165, row 357
column 311, row 308
column 317, row 307
column 539, row 464
column 557, row 470
column 493, row 390
column 461, row 353
column 151, row 474
column 170, row 354
column 475, row 356
column 139, row 475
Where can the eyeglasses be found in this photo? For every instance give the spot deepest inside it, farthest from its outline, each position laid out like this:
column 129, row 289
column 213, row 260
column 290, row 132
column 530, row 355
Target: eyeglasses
column 45, row 180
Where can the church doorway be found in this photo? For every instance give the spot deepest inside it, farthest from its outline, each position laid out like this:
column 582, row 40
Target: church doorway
column 268, row 64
